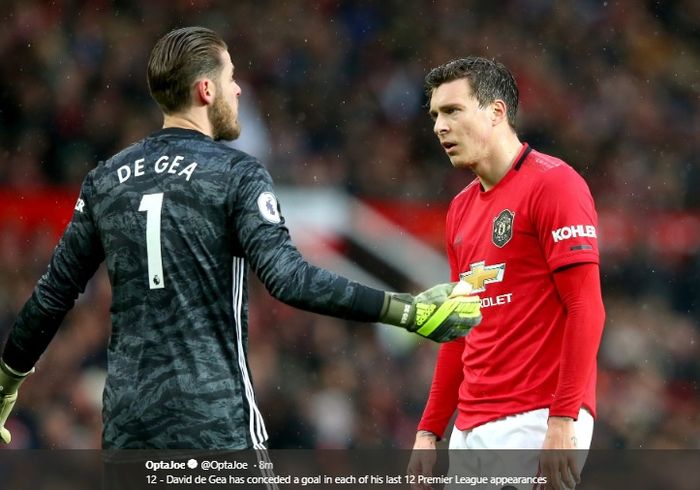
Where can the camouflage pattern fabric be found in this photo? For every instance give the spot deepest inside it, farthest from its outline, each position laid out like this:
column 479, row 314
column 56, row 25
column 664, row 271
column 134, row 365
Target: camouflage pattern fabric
column 179, row 219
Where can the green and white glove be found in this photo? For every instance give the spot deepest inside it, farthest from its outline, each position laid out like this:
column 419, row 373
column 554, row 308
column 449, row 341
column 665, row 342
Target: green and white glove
column 10, row 380
column 436, row 314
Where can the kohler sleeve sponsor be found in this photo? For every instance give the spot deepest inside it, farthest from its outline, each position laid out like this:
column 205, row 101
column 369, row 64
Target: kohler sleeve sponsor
column 573, row 231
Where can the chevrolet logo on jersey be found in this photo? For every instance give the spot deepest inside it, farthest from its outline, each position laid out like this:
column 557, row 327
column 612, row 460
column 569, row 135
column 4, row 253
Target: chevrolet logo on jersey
column 480, row 275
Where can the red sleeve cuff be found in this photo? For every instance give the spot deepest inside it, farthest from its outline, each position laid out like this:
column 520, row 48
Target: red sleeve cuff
column 553, row 412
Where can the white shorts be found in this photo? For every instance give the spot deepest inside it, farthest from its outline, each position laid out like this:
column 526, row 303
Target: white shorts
column 522, row 431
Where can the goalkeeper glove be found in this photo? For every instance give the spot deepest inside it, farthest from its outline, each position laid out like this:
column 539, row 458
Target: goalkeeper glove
column 435, row 314
column 10, row 380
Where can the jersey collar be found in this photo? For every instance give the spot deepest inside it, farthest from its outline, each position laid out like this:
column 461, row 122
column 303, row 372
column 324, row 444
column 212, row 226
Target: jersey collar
column 524, row 152
column 174, row 131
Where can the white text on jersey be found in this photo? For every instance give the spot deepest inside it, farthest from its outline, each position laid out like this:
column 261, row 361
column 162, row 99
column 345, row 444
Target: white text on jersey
column 574, row 231
column 501, row 299
column 162, row 165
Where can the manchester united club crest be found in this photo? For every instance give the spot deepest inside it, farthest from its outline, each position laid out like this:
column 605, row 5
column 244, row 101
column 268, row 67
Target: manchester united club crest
column 503, row 228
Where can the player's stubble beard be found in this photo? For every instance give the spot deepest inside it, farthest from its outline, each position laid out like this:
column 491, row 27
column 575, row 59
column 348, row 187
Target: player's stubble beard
column 224, row 123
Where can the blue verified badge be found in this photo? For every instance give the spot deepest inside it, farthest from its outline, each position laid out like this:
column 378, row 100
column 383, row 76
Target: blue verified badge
column 267, row 204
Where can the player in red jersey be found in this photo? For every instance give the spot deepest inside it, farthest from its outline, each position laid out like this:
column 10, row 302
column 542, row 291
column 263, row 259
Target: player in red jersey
column 523, row 234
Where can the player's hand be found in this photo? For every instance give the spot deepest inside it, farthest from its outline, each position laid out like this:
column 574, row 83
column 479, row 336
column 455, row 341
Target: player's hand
column 436, row 314
column 10, row 380
column 423, row 458
column 558, row 457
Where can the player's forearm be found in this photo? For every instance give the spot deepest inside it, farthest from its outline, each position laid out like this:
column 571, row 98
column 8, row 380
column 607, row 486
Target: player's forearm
column 579, row 288
column 297, row 283
column 444, row 391
column 74, row 261
column 30, row 335
column 54, row 295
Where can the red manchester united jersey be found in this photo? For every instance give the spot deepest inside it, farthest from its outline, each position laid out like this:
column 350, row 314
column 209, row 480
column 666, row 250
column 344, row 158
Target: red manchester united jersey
column 507, row 243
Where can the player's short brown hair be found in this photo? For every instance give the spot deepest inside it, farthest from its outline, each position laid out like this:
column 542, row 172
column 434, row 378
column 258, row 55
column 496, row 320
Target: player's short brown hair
column 488, row 79
column 177, row 60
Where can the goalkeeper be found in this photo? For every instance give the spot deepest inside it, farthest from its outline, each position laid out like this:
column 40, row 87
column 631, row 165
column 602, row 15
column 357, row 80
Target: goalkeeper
column 179, row 218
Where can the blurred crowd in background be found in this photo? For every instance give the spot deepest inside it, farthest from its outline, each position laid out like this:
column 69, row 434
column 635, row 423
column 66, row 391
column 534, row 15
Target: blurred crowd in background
column 333, row 96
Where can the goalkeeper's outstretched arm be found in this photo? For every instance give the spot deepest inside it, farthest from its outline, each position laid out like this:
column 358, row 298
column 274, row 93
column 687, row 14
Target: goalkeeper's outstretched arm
column 288, row 277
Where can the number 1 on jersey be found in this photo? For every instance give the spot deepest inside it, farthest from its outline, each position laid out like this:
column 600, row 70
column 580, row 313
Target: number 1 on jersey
column 153, row 204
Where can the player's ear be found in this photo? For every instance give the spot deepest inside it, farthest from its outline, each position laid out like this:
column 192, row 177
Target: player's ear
column 499, row 112
column 205, row 91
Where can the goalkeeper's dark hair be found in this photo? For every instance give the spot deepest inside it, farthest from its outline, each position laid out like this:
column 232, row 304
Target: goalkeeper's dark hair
column 177, row 60
column 489, row 80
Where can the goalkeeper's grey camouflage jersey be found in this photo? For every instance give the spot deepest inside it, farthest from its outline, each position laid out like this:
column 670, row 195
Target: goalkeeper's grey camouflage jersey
column 179, row 218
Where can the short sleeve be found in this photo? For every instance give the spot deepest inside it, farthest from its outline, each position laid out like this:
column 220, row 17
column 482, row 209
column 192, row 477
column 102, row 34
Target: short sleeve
column 565, row 218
